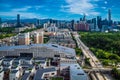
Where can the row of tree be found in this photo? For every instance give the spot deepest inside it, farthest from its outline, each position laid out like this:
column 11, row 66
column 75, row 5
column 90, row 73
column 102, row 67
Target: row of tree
column 105, row 46
column 7, row 29
column 116, row 73
column 6, row 35
column 105, row 41
column 28, row 30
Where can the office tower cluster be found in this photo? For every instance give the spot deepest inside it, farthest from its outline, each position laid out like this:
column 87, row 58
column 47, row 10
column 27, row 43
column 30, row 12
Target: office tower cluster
column 94, row 24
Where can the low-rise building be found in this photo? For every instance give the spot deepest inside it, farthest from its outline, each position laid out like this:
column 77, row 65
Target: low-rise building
column 37, row 50
column 46, row 73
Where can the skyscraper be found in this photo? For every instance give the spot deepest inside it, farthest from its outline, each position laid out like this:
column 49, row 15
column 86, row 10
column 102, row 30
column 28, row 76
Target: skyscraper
column 109, row 14
column 38, row 22
column 18, row 20
column 80, row 19
column 84, row 17
column 99, row 22
column 94, row 22
column 72, row 24
column 0, row 22
column 109, row 17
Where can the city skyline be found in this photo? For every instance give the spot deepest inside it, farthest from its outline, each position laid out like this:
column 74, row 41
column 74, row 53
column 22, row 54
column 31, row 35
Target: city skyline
column 59, row 9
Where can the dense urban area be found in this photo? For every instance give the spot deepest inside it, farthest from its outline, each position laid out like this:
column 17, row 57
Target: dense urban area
column 49, row 49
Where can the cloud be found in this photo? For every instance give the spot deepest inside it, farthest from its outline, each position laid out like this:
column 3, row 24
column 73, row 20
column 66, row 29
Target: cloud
column 104, row 7
column 38, row 7
column 106, row 2
column 26, row 8
column 23, row 14
column 21, row 9
column 80, row 7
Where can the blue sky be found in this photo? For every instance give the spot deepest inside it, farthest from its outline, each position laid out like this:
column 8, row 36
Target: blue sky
column 59, row 9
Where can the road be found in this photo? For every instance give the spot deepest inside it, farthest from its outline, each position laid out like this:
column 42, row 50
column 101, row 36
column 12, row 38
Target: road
column 94, row 62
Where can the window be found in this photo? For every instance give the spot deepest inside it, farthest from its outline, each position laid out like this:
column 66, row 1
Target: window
column 52, row 73
column 80, row 74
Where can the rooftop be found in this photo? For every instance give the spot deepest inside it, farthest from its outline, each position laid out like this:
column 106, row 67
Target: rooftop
column 25, row 76
column 51, row 46
column 40, row 72
column 76, row 72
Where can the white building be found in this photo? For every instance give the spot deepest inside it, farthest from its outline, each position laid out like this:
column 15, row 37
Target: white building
column 52, row 29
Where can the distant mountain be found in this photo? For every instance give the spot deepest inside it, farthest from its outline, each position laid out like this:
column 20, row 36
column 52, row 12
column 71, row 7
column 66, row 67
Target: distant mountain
column 34, row 20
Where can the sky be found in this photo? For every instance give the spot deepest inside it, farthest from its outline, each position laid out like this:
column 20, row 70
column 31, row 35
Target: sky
column 59, row 9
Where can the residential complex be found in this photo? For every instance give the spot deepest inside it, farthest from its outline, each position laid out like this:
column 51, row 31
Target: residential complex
column 39, row 62
column 24, row 39
column 38, row 37
column 63, row 37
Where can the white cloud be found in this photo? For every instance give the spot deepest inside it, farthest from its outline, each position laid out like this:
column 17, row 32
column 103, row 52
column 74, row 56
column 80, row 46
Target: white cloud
column 105, row 2
column 38, row 7
column 23, row 14
column 26, row 8
column 80, row 7
column 103, row 7
column 22, row 9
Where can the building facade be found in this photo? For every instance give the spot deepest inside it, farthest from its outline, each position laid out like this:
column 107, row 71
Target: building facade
column 37, row 50
column 24, row 39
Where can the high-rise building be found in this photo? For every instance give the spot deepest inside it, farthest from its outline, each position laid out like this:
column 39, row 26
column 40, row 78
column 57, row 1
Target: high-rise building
column 109, row 14
column 41, row 37
column 81, row 19
column 51, row 21
column 99, row 22
column 81, row 26
column 94, row 22
column 84, row 17
column 0, row 22
column 38, row 22
column 72, row 24
column 109, row 17
column 18, row 20
column 24, row 39
column 38, row 37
